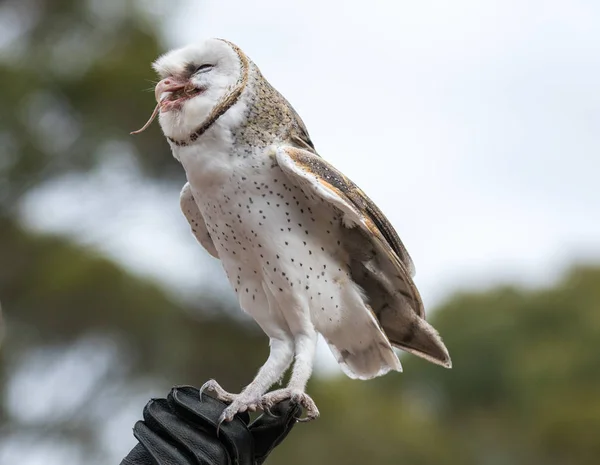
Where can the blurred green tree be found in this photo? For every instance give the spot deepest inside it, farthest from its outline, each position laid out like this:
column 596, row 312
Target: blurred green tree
column 75, row 77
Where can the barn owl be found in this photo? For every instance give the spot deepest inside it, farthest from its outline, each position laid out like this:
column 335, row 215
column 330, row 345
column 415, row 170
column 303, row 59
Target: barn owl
column 305, row 249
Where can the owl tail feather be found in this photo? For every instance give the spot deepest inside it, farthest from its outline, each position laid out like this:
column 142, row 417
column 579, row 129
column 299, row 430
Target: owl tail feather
column 409, row 332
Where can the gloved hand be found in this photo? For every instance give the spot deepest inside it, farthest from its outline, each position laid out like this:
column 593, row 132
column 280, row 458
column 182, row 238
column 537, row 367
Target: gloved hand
column 182, row 430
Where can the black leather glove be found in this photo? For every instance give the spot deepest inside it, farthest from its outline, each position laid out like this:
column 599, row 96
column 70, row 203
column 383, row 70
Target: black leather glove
column 182, row 430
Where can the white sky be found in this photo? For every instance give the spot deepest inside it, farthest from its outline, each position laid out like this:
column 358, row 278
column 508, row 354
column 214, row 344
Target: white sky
column 473, row 124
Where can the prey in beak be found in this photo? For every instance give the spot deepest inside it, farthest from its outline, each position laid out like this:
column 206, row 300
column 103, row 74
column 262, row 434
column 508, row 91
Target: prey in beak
column 171, row 94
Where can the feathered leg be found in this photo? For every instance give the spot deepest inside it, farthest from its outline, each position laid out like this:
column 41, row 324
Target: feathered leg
column 305, row 346
column 280, row 357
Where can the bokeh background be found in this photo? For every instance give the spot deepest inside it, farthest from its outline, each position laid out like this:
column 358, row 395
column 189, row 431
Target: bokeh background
column 473, row 124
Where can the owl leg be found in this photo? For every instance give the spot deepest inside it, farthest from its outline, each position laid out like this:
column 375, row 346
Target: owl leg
column 280, row 357
column 305, row 346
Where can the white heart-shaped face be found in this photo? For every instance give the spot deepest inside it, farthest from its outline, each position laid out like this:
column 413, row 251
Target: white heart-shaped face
column 193, row 80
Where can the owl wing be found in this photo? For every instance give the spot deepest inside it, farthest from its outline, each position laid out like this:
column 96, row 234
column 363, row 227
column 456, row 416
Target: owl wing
column 195, row 219
column 374, row 213
column 379, row 262
column 326, row 181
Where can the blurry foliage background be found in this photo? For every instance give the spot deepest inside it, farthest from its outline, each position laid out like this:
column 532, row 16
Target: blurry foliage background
column 87, row 342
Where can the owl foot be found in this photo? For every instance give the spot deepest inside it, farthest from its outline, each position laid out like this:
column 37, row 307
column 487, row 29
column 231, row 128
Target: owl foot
column 295, row 395
column 241, row 404
column 220, row 393
column 238, row 403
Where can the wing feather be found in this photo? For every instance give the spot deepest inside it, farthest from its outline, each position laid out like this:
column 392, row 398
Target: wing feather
column 332, row 185
column 195, row 219
column 379, row 263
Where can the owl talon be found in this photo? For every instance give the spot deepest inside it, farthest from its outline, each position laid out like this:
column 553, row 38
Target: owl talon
column 239, row 405
column 268, row 411
column 220, row 393
column 272, row 398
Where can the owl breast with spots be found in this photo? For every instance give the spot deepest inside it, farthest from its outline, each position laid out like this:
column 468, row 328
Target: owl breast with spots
column 276, row 243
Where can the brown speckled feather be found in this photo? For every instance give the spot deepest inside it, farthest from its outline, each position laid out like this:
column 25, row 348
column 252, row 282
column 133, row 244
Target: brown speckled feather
column 374, row 220
column 378, row 260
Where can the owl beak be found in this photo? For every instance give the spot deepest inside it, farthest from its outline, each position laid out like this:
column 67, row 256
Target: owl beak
column 167, row 85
